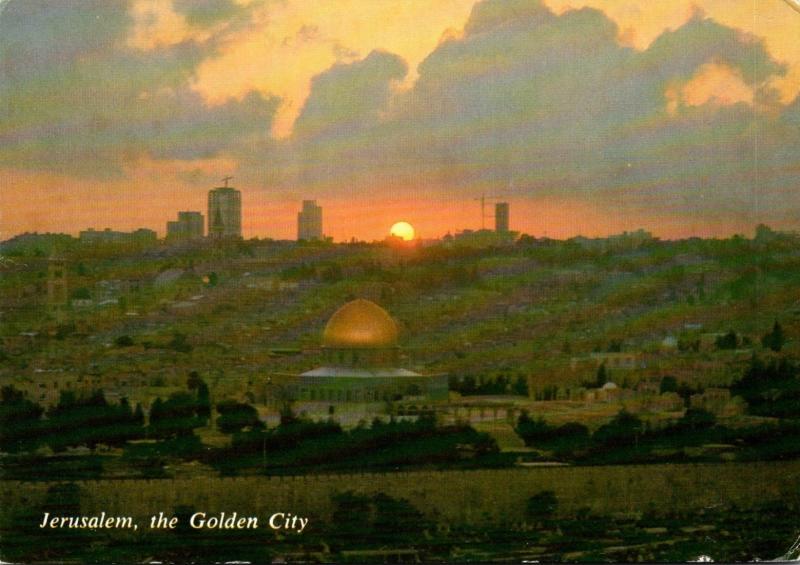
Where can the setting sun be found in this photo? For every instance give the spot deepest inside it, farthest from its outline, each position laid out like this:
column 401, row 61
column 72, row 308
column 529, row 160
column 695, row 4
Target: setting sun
column 403, row 230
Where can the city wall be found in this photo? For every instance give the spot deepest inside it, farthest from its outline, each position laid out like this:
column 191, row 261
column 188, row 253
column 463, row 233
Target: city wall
column 474, row 497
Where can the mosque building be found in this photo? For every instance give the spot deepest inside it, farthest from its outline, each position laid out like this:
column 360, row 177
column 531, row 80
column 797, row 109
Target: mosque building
column 361, row 364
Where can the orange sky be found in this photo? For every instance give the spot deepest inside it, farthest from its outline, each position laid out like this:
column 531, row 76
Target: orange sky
column 288, row 43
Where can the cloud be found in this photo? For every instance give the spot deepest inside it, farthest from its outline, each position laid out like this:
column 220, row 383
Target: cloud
column 348, row 97
column 557, row 106
column 80, row 99
column 523, row 101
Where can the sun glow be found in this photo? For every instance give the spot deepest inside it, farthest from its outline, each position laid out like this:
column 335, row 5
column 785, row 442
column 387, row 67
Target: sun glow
column 403, row 230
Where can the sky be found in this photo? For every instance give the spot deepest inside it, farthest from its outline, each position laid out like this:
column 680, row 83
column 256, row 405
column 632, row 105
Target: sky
column 590, row 117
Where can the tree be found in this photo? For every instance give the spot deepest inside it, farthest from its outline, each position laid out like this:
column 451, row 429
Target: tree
column 138, row 416
column 203, row 402
column 178, row 343
column 396, row 520
column 602, row 376
column 728, row 341
column 696, row 419
column 775, row 339
column 623, row 430
column 332, row 274
column 532, row 431
column 19, row 421
column 520, row 386
column 81, row 293
column 235, row 417
column 542, row 505
column 202, row 394
column 175, row 417
column 288, row 416
column 123, row 341
column 668, row 384
column 194, row 380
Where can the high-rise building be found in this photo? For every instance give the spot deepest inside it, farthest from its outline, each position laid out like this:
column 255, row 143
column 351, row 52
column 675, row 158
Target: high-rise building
column 309, row 221
column 224, row 212
column 501, row 213
column 190, row 225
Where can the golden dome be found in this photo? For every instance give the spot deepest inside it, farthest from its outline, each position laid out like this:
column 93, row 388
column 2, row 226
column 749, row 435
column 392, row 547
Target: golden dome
column 360, row 324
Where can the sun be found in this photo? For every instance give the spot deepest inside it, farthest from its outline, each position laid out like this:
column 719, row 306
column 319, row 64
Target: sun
column 403, row 230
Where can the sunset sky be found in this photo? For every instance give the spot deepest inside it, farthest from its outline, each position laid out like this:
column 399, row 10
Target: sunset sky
column 590, row 116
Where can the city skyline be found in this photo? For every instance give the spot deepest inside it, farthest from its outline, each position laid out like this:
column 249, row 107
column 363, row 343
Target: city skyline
column 381, row 231
column 679, row 119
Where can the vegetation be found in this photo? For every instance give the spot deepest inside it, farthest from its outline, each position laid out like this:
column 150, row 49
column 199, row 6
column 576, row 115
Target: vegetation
column 771, row 388
column 298, row 446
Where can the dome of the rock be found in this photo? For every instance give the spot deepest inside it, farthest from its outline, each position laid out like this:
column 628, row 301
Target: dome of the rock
column 360, row 324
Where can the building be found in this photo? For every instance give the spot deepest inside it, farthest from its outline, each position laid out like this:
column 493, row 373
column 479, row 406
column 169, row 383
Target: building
column 141, row 236
column 56, row 285
column 361, row 365
column 309, row 221
column 481, row 239
column 501, row 217
column 188, row 226
column 224, row 212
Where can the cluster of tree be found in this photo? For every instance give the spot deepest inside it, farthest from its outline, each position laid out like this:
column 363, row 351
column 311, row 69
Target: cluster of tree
column 376, row 520
column 775, row 339
column 469, row 385
column 549, row 392
column 771, row 388
column 182, row 412
column 75, row 421
column 177, row 343
column 298, row 445
column 90, row 420
column 626, row 438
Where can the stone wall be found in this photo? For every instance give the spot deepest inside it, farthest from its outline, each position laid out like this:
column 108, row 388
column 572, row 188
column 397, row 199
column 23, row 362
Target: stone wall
column 481, row 496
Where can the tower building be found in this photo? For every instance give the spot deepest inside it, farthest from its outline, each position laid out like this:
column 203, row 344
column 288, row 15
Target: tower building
column 501, row 213
column 224, row 212
column 309, row 221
